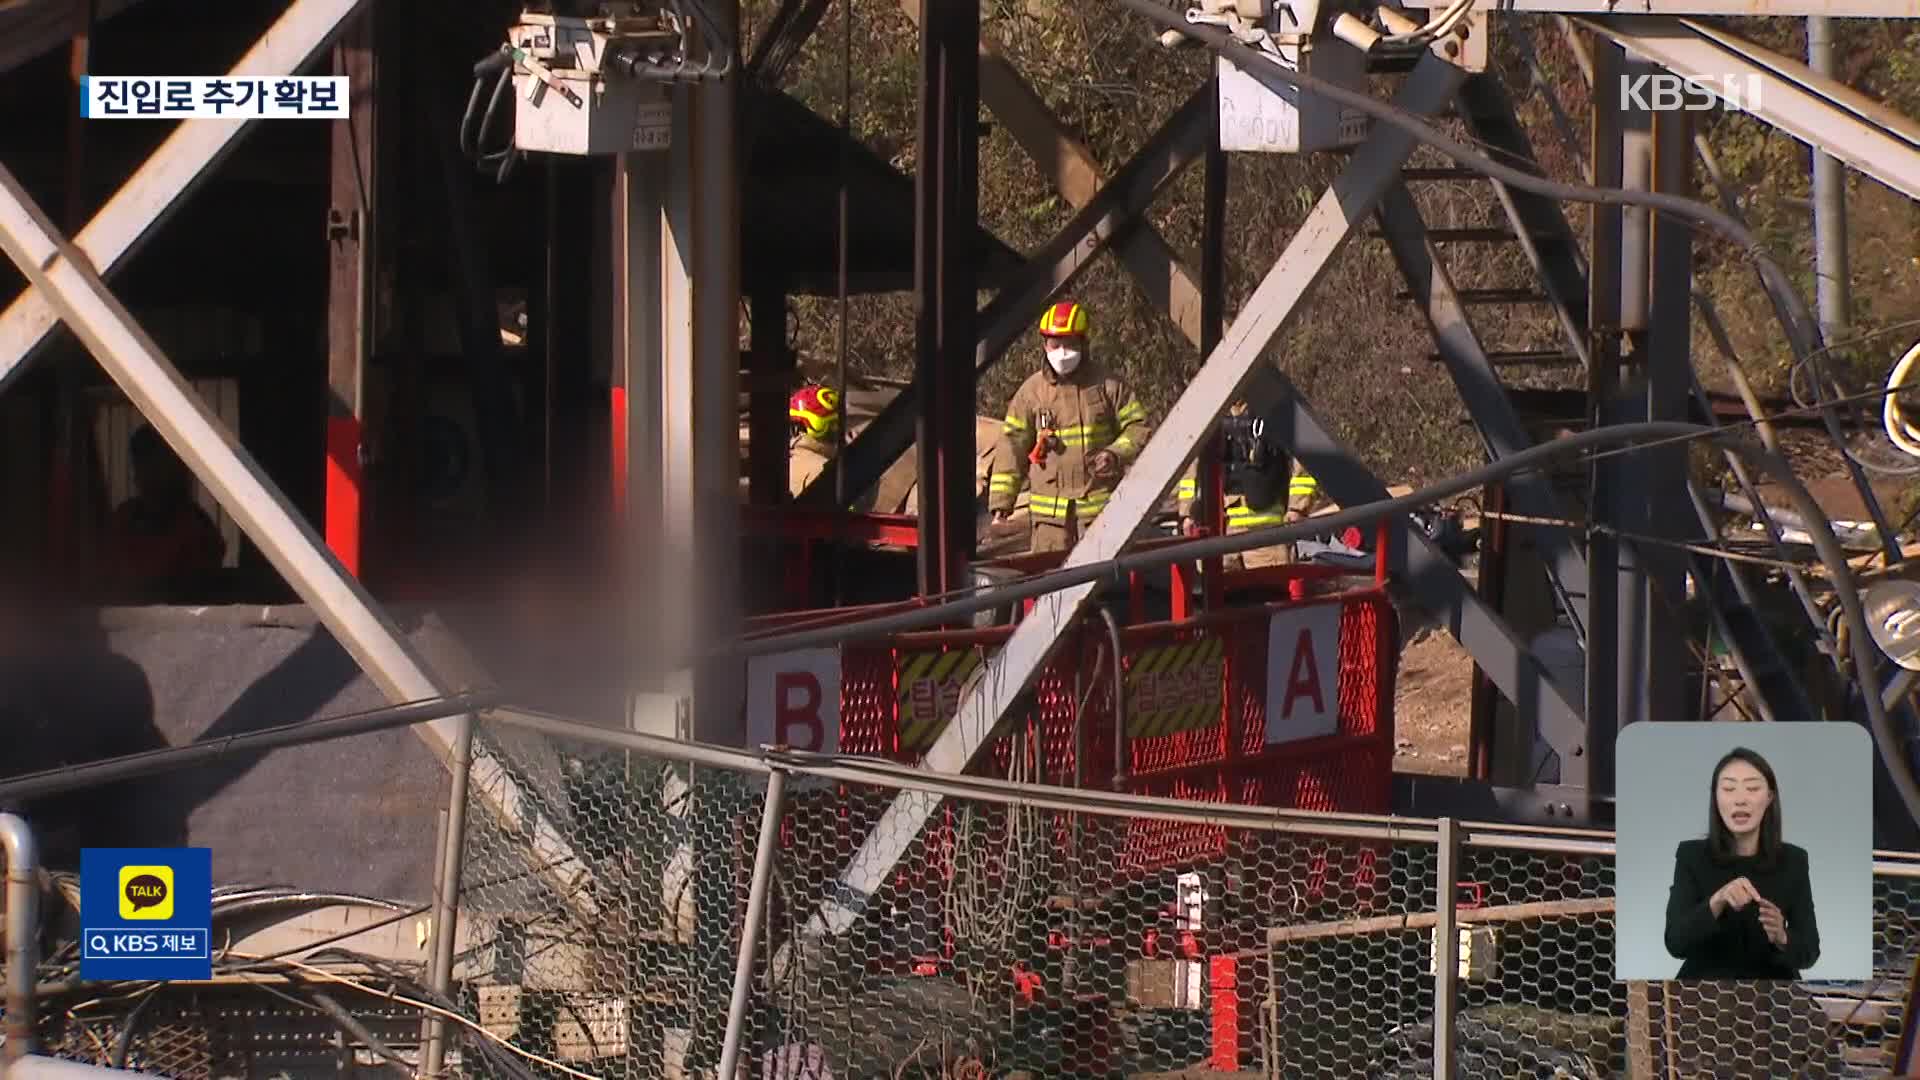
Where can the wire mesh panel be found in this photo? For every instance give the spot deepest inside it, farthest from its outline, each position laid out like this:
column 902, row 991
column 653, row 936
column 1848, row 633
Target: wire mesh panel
column 1535, row 977
column 995, row 937
column 1346, row 975
column 1016, row 940
column 620, row 963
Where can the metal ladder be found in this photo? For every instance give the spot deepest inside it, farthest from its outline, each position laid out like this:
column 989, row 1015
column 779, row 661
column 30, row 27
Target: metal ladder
column 1539, row 227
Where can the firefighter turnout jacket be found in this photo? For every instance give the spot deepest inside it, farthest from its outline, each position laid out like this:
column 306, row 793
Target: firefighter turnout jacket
column 1255, row 468
column 1054, row 425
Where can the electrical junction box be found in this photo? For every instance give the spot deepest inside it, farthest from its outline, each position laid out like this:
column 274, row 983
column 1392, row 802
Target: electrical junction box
column 1254, row 118
column 566, row 104
column 1479, row 953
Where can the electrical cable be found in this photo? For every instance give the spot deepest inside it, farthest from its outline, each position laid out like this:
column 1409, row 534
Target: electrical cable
column 1802, row 335
column 1903, row 434
column 498, row 65
column 492, row 1047
column 170, row 759
column 1116, row 569
column 1262, row 69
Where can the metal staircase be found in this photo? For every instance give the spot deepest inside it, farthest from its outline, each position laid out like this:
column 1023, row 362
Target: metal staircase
column 1538, row 226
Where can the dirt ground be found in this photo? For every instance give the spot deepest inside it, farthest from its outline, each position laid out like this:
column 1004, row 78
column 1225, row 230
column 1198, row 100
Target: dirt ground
column 1432, row 704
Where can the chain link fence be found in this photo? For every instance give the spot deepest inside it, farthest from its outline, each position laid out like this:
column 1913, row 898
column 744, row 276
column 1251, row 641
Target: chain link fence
column 1044, row 932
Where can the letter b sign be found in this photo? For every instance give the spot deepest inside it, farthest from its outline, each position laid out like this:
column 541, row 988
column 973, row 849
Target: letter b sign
column 793, row 699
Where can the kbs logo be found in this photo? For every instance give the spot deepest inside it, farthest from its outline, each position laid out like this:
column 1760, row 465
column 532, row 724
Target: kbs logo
column 1663, row 92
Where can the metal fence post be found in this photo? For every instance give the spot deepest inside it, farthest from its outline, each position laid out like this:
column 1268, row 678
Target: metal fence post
column 23, row 928
column 446, row 892
column 750, row 928
column 1446, row 960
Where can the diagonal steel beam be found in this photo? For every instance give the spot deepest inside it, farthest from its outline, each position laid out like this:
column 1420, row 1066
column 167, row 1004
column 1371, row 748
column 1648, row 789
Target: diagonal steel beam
column 157, row 188
column 1178, row 143
column 1837, row 9
column 1817, row 110
column 1436, row 582
column 1373, row 169
column 74, row 289
column 1480, row 390
column 1075, row 173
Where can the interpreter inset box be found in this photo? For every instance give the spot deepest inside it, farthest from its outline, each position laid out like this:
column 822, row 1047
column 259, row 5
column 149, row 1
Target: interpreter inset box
column 1745, row 852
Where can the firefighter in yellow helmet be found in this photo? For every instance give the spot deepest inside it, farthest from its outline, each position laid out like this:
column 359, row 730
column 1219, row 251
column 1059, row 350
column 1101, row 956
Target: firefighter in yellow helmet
column 814, row 414
column 1265, row 486
column 1071, row 432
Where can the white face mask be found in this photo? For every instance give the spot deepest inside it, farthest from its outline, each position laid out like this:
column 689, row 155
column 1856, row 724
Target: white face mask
column 1062, row 358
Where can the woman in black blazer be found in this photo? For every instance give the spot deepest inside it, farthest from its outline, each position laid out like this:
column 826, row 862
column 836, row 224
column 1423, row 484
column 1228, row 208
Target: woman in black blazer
column 1741, row 906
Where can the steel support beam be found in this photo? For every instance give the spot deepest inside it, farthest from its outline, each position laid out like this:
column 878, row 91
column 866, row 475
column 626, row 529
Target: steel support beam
column 65, row 279
column 1839, row 9
column 1862, row 132
column 157, row 188
column 1604, row 321
column 945, row 288
column 1436, row 582
column 1668, row 375
column 1013, row 311
column 699, row 410
column 353, row 253
column 1480, row 390
column 1372, row 170
column 636, row 271
column 1415, row 795
column 1075, row 173
column 1829, row 204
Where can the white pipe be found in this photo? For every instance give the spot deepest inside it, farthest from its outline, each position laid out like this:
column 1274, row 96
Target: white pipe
column 38, row 1067
column 23, row 928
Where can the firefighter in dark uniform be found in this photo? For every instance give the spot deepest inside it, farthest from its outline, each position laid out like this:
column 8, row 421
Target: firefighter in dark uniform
column 1265, row 486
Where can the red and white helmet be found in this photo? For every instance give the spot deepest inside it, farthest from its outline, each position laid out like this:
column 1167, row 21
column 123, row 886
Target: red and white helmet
column 815, row 411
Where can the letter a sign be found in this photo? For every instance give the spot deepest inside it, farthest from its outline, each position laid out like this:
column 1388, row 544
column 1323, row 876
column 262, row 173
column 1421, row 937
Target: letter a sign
column 1303, row 673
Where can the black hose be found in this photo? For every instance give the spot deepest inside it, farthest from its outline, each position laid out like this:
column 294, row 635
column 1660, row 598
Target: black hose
column 1800, row 326
column 1802, row 330
column 497, row 64
column 351, row 1024
column 1263, row 70
column 151, row 762
column 1116, row 569
column 123, row 1042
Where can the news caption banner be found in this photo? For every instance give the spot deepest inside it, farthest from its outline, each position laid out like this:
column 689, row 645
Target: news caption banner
column 146, row 913
column 213, row 97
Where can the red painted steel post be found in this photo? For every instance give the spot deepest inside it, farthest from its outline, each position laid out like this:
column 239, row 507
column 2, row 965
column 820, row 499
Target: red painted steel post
column 344, row 486
column 1382, row 552
column 1224, row 978
column 1182, row 590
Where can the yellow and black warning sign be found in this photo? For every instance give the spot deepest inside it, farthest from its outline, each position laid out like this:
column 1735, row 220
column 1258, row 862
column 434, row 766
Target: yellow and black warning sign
column 1174, row 687
column 929, row 686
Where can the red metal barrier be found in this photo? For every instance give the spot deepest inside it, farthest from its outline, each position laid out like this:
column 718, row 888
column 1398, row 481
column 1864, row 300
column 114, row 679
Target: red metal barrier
column 1197, row 706
column 1283, row 705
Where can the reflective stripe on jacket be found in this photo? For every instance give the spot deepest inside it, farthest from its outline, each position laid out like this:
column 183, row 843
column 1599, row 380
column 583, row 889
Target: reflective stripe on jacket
column 1081, row 414
column 1303, row 493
